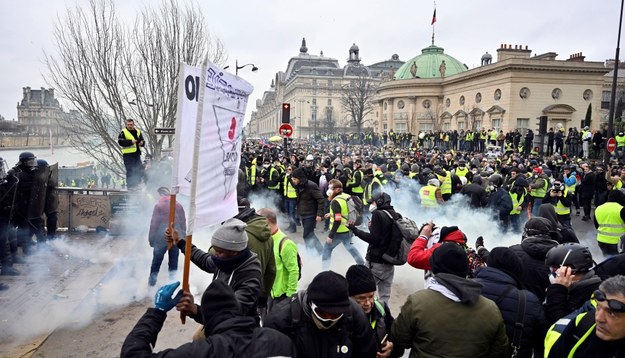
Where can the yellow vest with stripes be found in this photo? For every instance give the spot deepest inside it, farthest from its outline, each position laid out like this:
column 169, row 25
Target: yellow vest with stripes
column 428, row 196
column 342, row 200
column 516, row 202
column 289, row 189
column 133, row 147
column 561, row 209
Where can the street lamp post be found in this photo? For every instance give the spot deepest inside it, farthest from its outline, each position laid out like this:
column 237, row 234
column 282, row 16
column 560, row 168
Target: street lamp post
column 606, row 157
column 237, row 67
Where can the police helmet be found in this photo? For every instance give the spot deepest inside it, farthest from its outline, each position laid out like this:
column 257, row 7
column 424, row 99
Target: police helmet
column 405, row 168
column 42, row 163
column 25, row 156
column 310, row 157
column 571, row 254
column 427, row 171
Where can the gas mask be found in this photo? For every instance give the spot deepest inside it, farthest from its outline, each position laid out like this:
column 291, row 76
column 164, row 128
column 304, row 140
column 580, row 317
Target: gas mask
column 265, row 165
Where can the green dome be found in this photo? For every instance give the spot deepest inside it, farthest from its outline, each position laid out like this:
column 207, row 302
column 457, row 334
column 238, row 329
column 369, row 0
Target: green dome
column 428, row 65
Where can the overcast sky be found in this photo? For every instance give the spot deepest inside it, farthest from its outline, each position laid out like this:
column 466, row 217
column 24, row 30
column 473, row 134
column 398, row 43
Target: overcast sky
column 268, row 33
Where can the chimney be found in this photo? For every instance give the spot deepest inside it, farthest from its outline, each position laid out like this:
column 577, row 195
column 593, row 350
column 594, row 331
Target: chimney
column 507, row 51
column 576, row 57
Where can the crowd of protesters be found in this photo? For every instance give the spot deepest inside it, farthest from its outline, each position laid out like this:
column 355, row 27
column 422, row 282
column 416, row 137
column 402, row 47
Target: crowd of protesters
column 543, row 296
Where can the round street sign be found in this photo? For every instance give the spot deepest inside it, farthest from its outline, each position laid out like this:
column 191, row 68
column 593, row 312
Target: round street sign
column 611, row 145
column 286, row 130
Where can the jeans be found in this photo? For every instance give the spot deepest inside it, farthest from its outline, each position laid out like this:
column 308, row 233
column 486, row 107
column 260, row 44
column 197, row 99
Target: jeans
column 289, row 207
column 312, row 242
column 383, row 275
column 158, row 254
column 536, row 205
column 342, row 238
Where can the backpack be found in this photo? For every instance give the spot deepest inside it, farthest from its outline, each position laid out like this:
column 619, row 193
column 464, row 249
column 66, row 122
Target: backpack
column 405, row 232
column 299, row 258
column 354, row 208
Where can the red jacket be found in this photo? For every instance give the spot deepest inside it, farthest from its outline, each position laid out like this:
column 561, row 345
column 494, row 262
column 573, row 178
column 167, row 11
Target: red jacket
column 419, row 254
column 160, row 221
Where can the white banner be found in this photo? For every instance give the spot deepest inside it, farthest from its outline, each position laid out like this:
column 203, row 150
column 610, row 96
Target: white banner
column 219, row 142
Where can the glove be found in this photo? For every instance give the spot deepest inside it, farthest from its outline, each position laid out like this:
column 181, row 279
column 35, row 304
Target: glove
column 163, row 300
column 479, row 242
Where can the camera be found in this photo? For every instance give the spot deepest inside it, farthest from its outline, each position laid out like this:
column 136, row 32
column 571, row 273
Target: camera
column 557, row 187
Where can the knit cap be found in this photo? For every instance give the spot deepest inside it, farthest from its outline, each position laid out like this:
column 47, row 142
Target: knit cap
column 328, row 291
column 231, row 236
column 506, row 260
column 359, row 280
column 450, row 258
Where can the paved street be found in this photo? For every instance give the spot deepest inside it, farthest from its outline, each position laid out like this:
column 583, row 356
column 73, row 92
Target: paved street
column 82, row 296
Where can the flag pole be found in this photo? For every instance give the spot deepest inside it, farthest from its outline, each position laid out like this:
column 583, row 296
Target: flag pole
column 194, row 171
column 433, row 22
column 172, row 217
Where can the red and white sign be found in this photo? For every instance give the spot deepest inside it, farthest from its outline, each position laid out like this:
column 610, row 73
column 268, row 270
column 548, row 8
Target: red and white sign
column 611, row 145
column 286, row 130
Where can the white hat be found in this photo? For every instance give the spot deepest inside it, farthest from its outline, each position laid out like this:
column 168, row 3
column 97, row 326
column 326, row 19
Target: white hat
column 434, row 182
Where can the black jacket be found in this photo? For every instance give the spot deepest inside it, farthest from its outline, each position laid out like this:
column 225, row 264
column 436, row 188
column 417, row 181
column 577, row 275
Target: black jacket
column 231, row 338
column 477, row 195
column 532, row 251
column 310, row 201
column 245, row 280
column 351, row 337
column 501, row 202
column 587, row 185
column 561, row 301
column 501, row 288
column 380, row 233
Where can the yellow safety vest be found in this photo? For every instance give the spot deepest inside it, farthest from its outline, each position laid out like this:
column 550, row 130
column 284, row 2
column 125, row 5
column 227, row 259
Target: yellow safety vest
column 611, row 226
column 571, row 188
column 554, row 334
column 516, row 202
column 357, row 189
column 273, row 171
column 289, row 189
column 540, row 192
column 368, row 194
column 133, row 147
column 342, row 200
column 462, row 172
column 493, row 135
column 561, row 209
column 445, row 183
column 620, row 141
column 428, row 196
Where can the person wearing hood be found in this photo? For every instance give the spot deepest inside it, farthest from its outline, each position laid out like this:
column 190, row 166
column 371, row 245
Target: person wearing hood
column 501, row 283
column 227, row 332
column 499, row 200
column 567, row 234
column 380, row 239
column 230, row 261
column 310, row 208
column 259, row 242
column 478, row 197
column 450, row 317
column 324, row 322
column 537, row 240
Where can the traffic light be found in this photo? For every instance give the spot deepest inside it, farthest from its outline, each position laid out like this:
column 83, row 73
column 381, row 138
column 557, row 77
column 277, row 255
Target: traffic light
column 286, row 113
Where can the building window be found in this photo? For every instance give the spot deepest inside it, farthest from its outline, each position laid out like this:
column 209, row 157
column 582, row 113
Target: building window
column 497, row 124
column 314, row 102
column 460, row 125
column 522, row 123
column 401, row 104
column 427, row 104
column 556, row 93
column 447, row 102
column 605, row 99
column 400, row 127
column 587, row 95
column 329, row 101
column 446, row 126
column 462, row 100
column 314, row 82
column 330, row 83
column 497, row 94
column 477, row 124
column 524, row 93
column 426, row 126
column 385, row 106
column 478, row 97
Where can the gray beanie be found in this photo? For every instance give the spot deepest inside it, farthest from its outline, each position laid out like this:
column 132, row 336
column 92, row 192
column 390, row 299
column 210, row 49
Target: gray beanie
column 231, row 236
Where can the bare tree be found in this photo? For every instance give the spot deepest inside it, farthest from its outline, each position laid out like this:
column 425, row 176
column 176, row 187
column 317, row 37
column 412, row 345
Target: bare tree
column 328, row 123
column 110, row 72
column 356, row 99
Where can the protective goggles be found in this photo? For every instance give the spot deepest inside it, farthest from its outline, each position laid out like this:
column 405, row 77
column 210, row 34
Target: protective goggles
column 613, row 305
column 323, row 316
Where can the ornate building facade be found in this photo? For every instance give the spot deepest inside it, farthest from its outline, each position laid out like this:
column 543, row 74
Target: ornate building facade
column 38, row 112
column 314, row 86
column 434, row 91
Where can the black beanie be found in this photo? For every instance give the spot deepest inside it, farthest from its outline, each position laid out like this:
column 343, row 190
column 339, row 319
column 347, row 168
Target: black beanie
column 218, row 299
column 450, row 258
column 360, row 280
column 506, row 260
column 328, row 291
column 299, row 173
